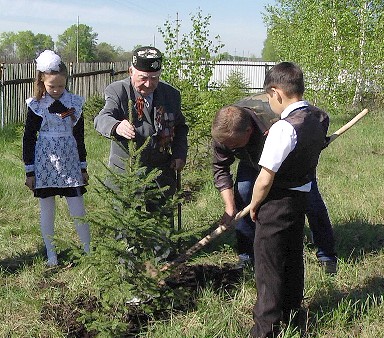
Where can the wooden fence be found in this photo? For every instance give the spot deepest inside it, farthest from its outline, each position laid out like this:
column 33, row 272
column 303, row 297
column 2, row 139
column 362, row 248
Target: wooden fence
column 88, row 79
column 85, row 79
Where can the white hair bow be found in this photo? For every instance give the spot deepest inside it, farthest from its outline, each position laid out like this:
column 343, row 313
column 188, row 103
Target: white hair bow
column 48, row 61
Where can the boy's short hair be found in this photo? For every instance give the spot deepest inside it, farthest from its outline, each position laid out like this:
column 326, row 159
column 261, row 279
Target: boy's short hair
column 229, row 123
column 286, row 76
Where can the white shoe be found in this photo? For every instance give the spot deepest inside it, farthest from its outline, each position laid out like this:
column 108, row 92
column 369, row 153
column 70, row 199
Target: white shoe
column 134, row 301
column 52, row 261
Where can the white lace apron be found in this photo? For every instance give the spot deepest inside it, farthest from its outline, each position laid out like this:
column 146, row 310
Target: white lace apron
column 57, row 163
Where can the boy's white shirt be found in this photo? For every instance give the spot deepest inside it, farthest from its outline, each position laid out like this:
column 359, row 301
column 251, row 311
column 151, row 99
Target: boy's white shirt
column 281, row 140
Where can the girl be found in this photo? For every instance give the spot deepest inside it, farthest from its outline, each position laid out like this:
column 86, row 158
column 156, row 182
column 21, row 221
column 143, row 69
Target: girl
column 54, row 152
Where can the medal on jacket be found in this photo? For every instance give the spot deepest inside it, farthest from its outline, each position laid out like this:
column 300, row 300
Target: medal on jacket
column 164, row 129
column 140, row 107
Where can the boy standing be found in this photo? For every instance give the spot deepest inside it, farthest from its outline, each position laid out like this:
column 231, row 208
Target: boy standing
column 279, row 197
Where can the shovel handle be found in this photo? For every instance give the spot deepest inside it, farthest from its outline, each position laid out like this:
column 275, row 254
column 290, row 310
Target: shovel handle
column 178, row 187
column 348, row 125
column 207, row 239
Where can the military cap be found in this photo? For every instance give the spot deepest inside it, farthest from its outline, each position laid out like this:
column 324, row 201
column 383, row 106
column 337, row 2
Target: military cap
column 147, row 59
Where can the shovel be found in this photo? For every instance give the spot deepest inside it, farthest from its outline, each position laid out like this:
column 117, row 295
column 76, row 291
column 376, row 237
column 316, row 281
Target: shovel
column 207, row 239
column 224, row 227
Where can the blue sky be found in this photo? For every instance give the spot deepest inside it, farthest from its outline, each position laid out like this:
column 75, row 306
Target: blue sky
column 127, row 23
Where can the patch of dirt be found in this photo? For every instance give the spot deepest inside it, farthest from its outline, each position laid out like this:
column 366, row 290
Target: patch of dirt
column 66, row 315
column 198, row 276
column 190, row 278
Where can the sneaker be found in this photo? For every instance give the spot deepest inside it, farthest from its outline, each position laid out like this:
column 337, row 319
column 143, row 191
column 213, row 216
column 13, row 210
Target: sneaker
column 244, row 260
column 134, row 301
column 329, row 267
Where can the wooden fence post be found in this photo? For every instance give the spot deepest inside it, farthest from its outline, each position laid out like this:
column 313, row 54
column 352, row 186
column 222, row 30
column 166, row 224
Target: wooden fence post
column 70, row 77
column 1, row 95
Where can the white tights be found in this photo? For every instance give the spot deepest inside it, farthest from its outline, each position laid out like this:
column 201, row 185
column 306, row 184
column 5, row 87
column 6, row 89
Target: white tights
column 47, row 219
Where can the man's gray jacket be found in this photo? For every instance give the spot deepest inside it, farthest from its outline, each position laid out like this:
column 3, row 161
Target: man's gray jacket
column 163, row 122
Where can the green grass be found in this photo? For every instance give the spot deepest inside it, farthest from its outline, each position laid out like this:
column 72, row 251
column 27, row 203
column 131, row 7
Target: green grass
column 39, row 302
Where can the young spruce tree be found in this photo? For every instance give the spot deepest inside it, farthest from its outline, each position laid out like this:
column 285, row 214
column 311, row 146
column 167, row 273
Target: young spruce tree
column 127, row 243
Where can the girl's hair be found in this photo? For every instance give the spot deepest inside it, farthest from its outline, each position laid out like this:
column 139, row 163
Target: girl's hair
column 39, row 88
column 230, row 122
column 286, row 76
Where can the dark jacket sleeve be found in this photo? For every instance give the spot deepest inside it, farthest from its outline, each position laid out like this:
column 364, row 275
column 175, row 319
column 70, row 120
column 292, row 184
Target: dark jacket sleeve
column 179, row 146
column 78, row 133
column 324, row 120
column 32, row 126
column 325, row 124
column 221, row 164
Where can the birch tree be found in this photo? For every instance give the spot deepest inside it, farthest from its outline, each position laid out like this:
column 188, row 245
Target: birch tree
column 334, row 41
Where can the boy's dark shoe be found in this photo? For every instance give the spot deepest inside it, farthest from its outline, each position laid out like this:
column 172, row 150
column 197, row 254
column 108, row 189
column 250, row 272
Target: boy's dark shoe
column 329, row 266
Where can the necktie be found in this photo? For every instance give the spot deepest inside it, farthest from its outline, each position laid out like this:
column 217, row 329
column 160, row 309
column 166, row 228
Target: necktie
column 140, row 107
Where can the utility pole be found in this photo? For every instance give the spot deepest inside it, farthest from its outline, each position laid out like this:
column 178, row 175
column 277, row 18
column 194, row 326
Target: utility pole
column 177, row 30
column 77, row 41
column 177, row 40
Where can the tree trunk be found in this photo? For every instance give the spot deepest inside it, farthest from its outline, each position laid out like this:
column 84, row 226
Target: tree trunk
column 363, row 15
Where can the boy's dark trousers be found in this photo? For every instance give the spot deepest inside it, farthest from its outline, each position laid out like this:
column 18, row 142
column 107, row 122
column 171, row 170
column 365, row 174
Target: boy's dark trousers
column 279, row 265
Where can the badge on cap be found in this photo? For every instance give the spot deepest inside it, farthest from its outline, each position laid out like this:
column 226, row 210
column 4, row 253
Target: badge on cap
column 147, row 59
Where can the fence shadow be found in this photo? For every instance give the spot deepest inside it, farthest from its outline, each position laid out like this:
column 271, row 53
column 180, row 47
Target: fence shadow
column 359, row 300
column 14, row 264
column 355, row 239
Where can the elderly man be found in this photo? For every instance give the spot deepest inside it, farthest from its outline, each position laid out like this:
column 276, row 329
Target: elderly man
column 156, row 114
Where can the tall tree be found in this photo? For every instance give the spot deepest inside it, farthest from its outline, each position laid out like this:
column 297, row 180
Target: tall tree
column 333, row 41
column 192, row 54
column 23, row 46
column 78, row 42
column 43, row 42
column 188, row 65
column 7, row 47
column 105, row 52
column 268, row 53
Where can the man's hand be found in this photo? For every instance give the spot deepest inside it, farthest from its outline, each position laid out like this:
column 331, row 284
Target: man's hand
column 177, row 164
column 230, row 206
column 30, row 182
column 125, row 129
column 227, row 218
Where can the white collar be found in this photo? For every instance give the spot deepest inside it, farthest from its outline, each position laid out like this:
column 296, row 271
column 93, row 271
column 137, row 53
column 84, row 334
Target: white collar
column 292, row 107
column 65, row 99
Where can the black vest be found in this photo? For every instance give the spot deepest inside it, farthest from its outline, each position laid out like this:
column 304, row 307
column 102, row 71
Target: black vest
column 299, row 166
